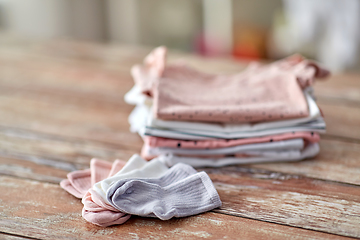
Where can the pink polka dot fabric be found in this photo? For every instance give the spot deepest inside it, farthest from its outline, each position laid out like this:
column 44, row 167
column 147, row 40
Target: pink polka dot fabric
column 222, row 143
column 260, row 93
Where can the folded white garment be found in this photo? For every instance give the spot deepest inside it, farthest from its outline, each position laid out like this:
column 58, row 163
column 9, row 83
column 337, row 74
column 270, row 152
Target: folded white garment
column 135, row 97
column 138, row 117
column 292, row 144
column 310, row 150
column 317, row 125
column 135, row 168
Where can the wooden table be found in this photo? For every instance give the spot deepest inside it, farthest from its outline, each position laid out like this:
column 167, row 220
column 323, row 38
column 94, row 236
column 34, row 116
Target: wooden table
column 61, row 104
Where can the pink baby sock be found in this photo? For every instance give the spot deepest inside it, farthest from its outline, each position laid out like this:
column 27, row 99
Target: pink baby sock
column 96, row 202
column 100, row 170
column 100, row 215
column 105, row 218
column 80, row 180
column 66, row 185
column 95, row 210
column 116, row 166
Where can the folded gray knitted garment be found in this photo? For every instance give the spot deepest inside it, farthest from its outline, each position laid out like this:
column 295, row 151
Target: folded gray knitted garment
column 180, row 192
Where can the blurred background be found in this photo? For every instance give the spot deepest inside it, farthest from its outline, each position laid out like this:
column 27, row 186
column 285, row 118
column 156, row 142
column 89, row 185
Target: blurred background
column 325, row 30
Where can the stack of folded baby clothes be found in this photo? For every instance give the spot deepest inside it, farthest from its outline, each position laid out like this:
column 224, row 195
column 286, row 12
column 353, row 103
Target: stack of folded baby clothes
column 265, row 113
column 111, row 193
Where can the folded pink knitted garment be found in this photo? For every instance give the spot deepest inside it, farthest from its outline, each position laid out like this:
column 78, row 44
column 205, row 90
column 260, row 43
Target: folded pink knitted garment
column 260, row 93
column 222, row 143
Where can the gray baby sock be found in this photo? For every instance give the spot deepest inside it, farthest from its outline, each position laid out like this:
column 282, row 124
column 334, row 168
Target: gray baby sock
column 165, row 197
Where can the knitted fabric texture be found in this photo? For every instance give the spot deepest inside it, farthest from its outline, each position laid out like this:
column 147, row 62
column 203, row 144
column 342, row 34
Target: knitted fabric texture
column 180, row 192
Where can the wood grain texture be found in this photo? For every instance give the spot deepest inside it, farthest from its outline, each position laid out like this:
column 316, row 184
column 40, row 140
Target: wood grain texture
column 5, row 236
column 30, row 170
column 289, row 199
column 340, row 89
column 337, row 161
column 60, row 152
column 93, row 122
column 54, row 214
column 341, row 120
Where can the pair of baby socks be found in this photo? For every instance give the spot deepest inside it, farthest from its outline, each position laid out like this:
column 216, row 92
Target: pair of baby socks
column 111, row 193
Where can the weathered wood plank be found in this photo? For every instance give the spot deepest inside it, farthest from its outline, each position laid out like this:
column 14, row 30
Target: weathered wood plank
column 63, row 75
column 60, row 152
column 4, row 236
column 30, row 170
column 340, row 89
column 93, row 122
column 289, row 199
column 55, row 214
column 341, row 120
column 337, row 161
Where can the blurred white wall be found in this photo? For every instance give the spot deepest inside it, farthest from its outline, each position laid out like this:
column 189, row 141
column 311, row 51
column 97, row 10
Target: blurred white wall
column 327, row 30
column 35, row 18
column 151, row 22
column 43, row 19
column 123, row 21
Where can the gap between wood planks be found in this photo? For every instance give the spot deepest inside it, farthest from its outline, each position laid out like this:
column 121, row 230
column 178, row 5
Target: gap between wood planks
column 12, row 236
